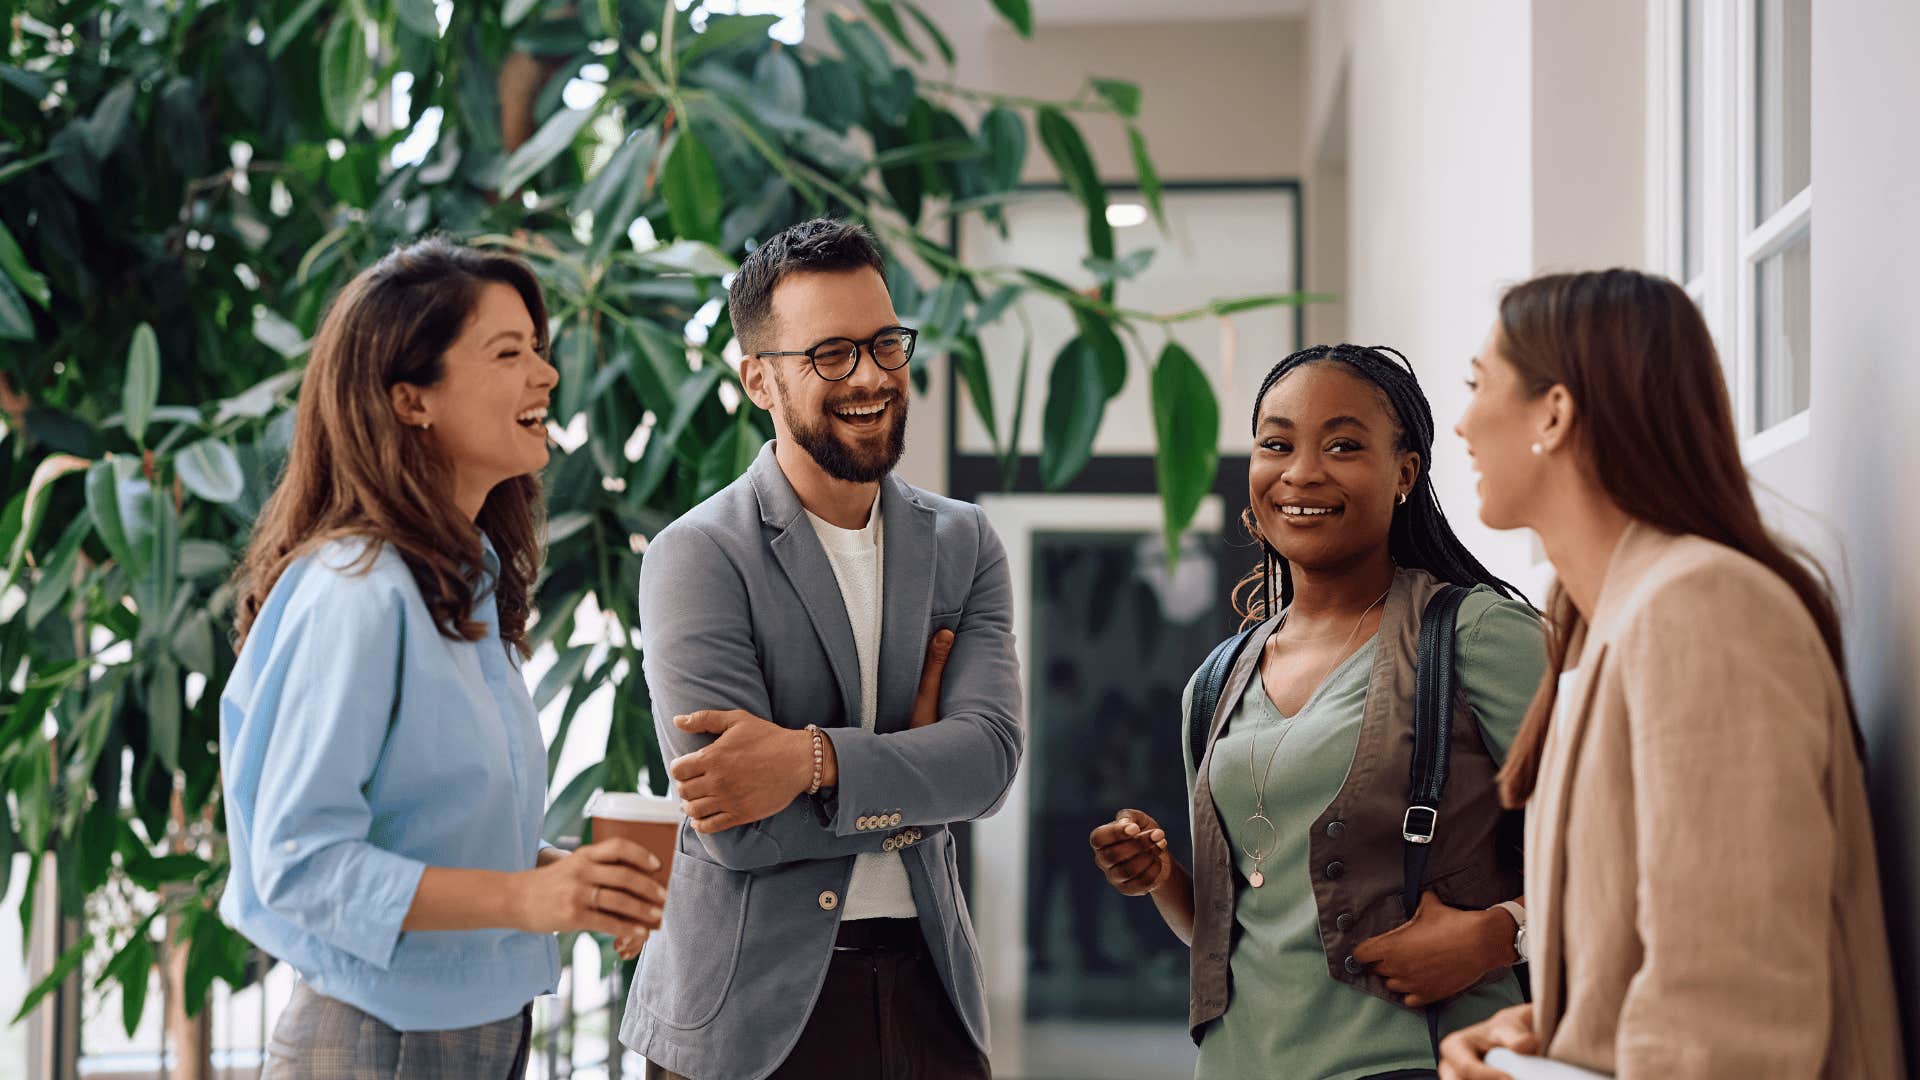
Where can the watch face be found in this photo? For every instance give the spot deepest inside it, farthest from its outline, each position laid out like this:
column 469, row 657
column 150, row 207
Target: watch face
column 1520, row 942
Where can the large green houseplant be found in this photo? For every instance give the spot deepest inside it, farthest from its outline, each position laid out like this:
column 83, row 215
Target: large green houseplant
column 182, row 187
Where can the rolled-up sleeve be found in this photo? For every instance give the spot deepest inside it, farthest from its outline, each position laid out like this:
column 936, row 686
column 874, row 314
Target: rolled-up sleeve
column 324, row 701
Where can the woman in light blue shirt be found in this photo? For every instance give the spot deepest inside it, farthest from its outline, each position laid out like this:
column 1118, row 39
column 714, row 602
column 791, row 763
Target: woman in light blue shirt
column 382, row 761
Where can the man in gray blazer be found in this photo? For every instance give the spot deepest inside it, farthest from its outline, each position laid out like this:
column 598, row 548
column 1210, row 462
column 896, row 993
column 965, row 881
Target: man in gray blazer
column 814, row 922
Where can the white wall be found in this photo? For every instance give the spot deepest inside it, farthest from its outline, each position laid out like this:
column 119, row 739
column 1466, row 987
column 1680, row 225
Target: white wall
column 1866, row 382
column 1439, row 197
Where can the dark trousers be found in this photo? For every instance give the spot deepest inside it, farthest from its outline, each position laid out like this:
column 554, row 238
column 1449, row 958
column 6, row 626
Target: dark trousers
column 882, row 1015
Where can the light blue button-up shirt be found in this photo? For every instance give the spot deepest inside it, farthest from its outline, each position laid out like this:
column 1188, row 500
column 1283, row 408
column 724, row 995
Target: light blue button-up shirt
column 359, row 746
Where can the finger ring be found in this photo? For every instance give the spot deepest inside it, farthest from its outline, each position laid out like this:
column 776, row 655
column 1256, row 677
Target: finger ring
column 594, row 900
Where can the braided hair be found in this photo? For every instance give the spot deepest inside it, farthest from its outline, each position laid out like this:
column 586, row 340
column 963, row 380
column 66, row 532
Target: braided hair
column 1419, row 538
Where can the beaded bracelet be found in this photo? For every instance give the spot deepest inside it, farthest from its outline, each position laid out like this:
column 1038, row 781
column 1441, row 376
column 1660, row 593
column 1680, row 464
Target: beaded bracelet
column 818, row 757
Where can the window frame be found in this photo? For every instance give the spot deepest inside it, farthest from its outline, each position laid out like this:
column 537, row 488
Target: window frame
column 1734, row 241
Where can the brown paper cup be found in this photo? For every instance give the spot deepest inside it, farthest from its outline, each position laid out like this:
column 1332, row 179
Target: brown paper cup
column 652, row 821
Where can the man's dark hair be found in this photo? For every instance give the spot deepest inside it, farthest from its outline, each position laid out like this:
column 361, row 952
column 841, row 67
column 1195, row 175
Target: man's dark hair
column 811, row 246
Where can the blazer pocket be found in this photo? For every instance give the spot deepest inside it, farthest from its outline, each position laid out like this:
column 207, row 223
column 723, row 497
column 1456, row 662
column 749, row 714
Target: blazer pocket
column 699, row 942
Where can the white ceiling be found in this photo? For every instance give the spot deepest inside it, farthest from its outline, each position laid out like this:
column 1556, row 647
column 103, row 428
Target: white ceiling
column 1071, row 12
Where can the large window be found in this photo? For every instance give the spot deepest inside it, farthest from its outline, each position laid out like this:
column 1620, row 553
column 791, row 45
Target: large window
column 1730, row 160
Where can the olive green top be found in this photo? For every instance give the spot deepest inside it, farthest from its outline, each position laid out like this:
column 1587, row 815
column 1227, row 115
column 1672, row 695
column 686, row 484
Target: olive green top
column 1285, row 1017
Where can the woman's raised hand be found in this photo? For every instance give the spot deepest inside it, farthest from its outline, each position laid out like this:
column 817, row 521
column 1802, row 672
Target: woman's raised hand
column 1132, row 851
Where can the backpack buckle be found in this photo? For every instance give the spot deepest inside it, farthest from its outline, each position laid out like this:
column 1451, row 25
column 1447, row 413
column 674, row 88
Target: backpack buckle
column 1419, row 831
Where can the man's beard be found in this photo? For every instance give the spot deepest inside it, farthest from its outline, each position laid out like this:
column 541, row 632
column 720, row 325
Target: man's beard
column 862, row 463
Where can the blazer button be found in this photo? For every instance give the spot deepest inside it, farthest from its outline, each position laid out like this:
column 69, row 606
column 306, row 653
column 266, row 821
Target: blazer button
column 893, row 820
column 1221, row 906
column 1345, row 920
column 891, row 843
column 1353, row 966
column 1336, row 829
column 830, row 900
column 1335, row 869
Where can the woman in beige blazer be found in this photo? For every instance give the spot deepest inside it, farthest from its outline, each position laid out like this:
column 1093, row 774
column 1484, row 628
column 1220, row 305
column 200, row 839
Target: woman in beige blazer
column 1702, row 894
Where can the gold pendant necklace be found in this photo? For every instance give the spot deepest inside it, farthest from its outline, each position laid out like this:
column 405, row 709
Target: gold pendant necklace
column 1261, row 852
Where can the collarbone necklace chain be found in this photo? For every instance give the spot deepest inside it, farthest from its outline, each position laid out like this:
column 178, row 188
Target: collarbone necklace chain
column 1259, row 853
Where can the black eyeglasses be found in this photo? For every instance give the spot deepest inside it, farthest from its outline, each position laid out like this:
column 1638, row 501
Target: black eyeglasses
column 835, row 358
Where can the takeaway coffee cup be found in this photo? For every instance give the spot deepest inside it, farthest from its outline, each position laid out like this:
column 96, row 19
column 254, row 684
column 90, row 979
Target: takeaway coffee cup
column 652, row 821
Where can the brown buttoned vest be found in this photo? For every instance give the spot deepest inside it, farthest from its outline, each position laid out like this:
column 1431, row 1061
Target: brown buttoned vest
column 1356, row 848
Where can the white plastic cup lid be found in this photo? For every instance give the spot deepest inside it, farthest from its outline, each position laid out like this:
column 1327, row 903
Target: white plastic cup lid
column 634, row 806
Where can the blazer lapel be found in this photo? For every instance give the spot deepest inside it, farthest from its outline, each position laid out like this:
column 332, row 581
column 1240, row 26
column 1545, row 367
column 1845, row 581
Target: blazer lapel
column 908, row 559
column 797, row 548
column 1546, row 825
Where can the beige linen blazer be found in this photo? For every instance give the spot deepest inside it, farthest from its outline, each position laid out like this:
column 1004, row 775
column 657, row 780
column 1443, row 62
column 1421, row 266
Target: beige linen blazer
column 1700, row 862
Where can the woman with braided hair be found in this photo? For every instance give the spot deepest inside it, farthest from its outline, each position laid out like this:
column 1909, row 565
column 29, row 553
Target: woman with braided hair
column 1339, row 921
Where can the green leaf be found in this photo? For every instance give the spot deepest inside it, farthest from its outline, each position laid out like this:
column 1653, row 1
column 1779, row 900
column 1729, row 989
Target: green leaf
column 215, row 952
column 933, row 33
column 996, row 305
column 56, row 572
column 973, row 370
column 1098, row 333
column 163, row 712
column 883, row 13
column 515, row 11
column 692, row 188
column 564, row 815
column 345, row 69
column 141, row 391
column 1116, row 270
column 283, row 34
column 690, row 257
column 860, row 46
column 1122, row 95
column 566, row 668
column 32, row 784
column 780, row 80
column 258, row 400
column 1018, row 13
column 417, row 15
column 1251, row 303
column 15, row 323
column 14, row 262
column 554, row 136
column 103, row 503
column 211, row 470
column 62, row 968
column 1186, row 424
column 108, row 124
column 1076, row 400
column 193, row 643
column 1069, row 153
column 132, row 968
column 1147, row 177
column 726, row 32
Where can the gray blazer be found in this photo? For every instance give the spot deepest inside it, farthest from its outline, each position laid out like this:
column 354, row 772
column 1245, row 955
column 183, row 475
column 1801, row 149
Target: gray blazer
column 739, row 609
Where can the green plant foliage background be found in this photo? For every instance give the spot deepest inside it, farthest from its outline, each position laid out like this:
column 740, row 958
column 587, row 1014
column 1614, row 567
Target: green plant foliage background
column 184, row 185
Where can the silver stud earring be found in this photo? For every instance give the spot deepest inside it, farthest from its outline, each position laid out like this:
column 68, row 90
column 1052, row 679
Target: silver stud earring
column 1537, row 449
column 427, row 425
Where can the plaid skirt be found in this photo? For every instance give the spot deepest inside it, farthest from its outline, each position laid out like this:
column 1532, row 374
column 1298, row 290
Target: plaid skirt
column 319, row 1038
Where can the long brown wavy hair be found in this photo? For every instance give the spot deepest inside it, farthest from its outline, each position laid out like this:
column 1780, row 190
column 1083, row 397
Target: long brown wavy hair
column 355, row 470
column 1657, row 429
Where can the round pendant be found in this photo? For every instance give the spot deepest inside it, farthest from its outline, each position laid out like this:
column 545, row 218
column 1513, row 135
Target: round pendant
column 1256, row 879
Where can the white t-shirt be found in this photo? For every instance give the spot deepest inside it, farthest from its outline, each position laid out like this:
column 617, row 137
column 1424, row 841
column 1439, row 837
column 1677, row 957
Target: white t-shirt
column 879, row 888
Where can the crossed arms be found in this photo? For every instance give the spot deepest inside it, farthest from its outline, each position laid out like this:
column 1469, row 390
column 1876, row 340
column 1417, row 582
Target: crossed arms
column 745, row 771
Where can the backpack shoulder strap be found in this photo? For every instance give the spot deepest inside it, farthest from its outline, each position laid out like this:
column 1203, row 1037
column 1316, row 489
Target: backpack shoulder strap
column 1432, row 737
column 1207, row 688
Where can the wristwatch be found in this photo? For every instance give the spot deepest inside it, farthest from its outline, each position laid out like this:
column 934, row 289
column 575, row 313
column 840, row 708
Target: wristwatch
column 1519, row 914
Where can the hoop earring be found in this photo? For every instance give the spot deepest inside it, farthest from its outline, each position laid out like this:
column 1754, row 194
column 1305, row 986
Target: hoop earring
column 1266, row 582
